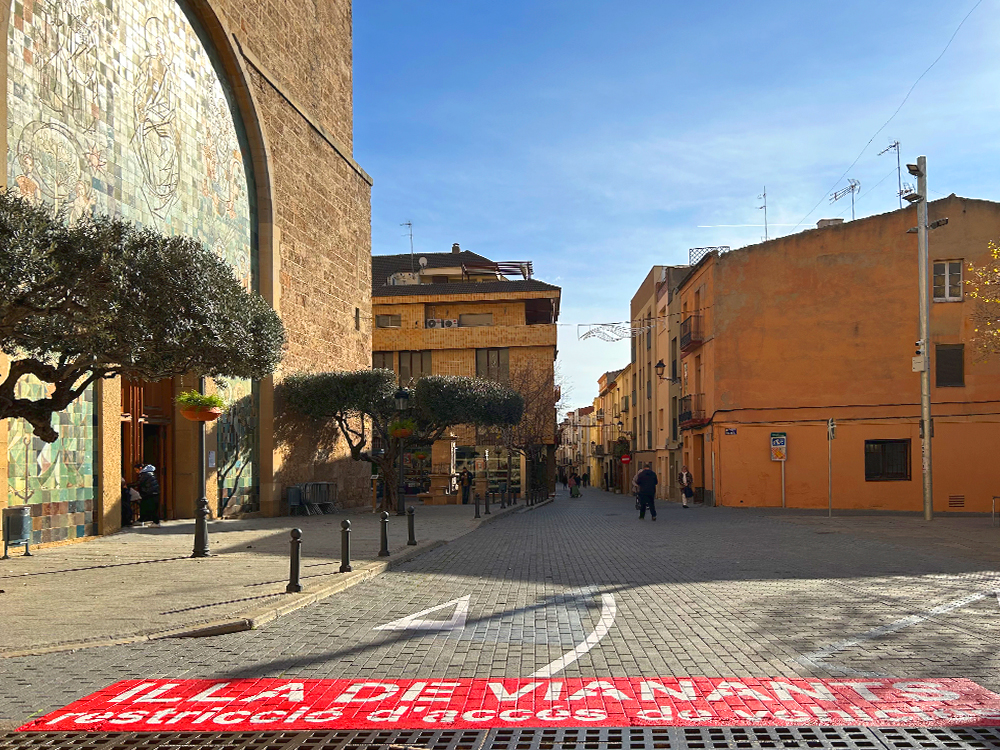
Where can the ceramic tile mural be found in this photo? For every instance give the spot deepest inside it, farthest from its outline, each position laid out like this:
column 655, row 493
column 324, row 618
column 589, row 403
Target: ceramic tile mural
column 114, row 106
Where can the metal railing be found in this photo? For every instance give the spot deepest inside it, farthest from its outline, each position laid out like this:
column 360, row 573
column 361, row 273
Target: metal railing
column 692, row 334
column 691, row 409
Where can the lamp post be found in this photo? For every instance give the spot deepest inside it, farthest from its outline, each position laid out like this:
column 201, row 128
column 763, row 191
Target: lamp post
column 659, row 367
column 402, row 401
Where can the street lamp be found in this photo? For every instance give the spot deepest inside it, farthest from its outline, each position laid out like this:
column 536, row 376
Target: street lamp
column 402, row 398
column 659, row 367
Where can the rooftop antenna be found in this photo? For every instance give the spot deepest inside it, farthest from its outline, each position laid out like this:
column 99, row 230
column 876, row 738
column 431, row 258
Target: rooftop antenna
column 894, row 146
column 852, row 187
column 409, row 225
column 763, row 196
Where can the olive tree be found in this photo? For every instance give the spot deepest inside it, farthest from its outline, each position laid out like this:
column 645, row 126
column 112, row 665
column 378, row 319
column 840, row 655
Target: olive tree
column 105, row 298
column 362, row 406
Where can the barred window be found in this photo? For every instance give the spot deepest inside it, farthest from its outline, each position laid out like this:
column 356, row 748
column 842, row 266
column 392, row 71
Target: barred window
column 887, row 460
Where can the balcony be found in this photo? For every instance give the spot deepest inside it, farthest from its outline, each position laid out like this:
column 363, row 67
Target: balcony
column 599, row 451
column 692, row 411
column 692, row 334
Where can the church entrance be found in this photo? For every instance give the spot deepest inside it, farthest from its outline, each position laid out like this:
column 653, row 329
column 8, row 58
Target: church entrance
column 147, row 434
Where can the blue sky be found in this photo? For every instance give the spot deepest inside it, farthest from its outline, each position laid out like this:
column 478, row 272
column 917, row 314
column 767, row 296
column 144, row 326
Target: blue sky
column 599, row 138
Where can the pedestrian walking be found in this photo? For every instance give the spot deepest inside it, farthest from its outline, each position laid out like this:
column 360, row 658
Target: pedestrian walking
column 685, row 480
column 586, row 478
column 645, row 483
column 465, row 482
column 574, row 485
column 564, row 479
column 607, row 481
column 149, row 493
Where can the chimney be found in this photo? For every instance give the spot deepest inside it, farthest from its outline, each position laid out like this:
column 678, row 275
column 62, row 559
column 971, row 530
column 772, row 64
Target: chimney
column 828, row 223
column 455, row 248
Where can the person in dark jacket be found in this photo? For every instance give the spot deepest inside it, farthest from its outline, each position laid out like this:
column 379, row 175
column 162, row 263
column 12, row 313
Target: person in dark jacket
column 465, row 482
column 645, row 482
column 149, row 492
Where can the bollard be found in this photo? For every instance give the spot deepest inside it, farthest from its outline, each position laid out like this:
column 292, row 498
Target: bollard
column 345, row 546
column 295, row 560
column 201, row 530
column 384, row 552
column 503, row 499
column 477, row 506
column 411, row 525
column 487, row 502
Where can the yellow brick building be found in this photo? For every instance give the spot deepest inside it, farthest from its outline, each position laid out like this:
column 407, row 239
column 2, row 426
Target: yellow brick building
column 460, row 313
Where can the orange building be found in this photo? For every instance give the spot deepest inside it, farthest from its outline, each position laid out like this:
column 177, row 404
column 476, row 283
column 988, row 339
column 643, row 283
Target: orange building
column 778, row 338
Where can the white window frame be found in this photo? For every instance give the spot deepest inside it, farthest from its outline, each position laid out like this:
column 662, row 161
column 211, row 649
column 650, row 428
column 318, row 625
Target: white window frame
column 947, row 280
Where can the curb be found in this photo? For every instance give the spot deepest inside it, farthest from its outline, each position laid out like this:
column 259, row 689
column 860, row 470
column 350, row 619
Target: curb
column 255, row 618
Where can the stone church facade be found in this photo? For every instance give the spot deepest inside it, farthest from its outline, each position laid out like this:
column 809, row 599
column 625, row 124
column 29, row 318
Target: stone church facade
column 229, row 121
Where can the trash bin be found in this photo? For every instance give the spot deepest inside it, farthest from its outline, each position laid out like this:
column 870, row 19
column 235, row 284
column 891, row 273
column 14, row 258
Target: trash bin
column 17, row 528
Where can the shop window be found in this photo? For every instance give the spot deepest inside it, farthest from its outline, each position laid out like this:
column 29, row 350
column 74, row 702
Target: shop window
column 468, row 320
column 382, row 361
column 388, row 321
column 947, row 280
column 493, row 364
column 949, row 365
column 887, row 460
column 413, row 365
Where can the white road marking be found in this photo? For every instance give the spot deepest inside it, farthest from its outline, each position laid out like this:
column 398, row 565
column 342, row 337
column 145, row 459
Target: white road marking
column 414, row 621
column 608, row 612
column 812, row 658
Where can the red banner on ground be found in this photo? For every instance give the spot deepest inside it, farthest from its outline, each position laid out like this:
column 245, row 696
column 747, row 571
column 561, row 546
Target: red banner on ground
column 267, row 704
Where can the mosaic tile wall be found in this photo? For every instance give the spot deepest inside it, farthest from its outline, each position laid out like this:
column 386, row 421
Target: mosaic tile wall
column 114, row 106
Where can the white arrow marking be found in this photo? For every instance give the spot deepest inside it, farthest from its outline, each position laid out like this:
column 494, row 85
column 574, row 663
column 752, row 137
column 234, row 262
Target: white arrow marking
column 414, row 621
column 608, row 611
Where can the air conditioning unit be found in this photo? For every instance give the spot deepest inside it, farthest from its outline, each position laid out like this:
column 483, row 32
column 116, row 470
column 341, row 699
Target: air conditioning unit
column 441, row 323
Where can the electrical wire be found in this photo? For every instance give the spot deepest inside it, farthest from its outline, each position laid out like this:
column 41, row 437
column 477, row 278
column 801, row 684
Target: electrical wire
column 892, row 117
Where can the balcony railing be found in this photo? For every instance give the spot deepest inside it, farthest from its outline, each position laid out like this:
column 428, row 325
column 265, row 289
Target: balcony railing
column 691, row 412
column 599, row 451
column 692, row 334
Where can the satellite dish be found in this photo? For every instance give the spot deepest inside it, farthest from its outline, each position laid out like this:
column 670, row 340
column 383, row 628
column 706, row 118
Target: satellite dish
column 422, row 262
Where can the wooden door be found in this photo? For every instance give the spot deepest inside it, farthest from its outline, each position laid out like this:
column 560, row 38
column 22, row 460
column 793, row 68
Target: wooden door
column 147, row 434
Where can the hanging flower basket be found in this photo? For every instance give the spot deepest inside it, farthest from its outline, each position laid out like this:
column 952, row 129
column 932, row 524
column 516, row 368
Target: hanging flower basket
column 202, row 413
column 402, row 428
column 199, row 407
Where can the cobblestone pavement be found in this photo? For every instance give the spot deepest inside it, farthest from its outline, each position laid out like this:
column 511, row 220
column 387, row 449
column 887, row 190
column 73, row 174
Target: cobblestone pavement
column 713, row 592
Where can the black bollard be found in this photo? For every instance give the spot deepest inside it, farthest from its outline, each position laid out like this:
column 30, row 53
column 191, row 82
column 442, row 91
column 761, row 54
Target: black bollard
column 384, row 552
column 411, row 525
column 295, row 560
column 345, row 546
column 201, row 530
column 477, row 506
column 488, row 502
column 503, row 499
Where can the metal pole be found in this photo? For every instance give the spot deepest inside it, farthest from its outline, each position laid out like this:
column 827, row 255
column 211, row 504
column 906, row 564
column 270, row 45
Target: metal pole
column 477, row 506
column 384, row 552
column 925, row 373
column 487, row 498
column 411, row 526
column 345, row 546
column 401, row 490
column 783, row 484
column 295, row 561
column 829, row 473
column 201, row 530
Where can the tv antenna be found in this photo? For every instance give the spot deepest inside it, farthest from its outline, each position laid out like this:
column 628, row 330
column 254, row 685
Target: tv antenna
column 852, row 187
column 763, row 196
column 409, row 225
column 894, row 146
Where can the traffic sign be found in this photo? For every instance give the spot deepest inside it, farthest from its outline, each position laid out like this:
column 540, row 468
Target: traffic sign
column 626, row 459
column 779, row 446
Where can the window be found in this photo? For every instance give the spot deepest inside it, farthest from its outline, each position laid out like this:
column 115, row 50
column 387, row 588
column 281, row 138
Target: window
column 539, row 312
column 887, row 460
column 413, row 365
column 357, row 318
column 382, row 361
column 673, row 359
column 493, row 364
column 388, row 321
column 949, row 365
column 475, row 319
column 947, row 280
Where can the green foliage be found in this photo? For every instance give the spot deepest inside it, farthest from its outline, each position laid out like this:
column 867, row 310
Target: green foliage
column 194, row 400
column 402, row 424
column 106, row 298
column 362, row 404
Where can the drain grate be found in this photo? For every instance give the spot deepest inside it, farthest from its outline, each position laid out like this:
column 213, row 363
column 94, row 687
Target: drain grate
column 584, row 738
